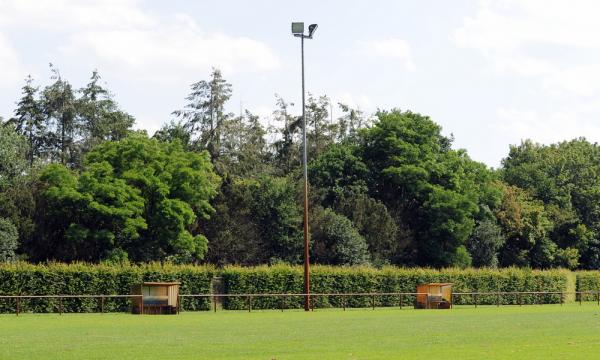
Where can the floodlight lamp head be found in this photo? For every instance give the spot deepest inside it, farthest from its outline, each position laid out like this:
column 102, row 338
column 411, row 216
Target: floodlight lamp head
column 311, row 29
column 297, row 28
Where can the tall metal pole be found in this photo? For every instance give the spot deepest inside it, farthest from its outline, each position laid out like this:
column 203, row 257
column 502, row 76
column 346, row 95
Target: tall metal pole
column 304, row 164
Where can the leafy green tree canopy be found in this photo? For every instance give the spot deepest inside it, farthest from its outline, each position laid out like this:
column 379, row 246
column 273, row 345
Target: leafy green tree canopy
column 137, row 196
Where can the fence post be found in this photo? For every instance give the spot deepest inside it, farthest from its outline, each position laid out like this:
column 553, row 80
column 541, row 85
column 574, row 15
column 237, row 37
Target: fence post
column 373, row 301
column 18, row 305
column 476, row 299
column 142, row 305
column 178, row 303
column 520, row 301
column 60, row 306
column 249, row 303
column 102, row 304
column 282, row 300
column 214, row 300
column 401, row 301
column 498, row 299
column 561, row 298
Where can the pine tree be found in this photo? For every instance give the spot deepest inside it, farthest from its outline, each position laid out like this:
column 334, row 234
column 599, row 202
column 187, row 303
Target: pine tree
column 350, row 122
column 99, row 115
column 204, row 116
column 29, row 120
column 318, row 127
column 286, row 147
column 59, row 106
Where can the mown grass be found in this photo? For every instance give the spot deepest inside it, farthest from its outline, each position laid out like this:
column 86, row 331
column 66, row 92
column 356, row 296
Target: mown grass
column 509, row 332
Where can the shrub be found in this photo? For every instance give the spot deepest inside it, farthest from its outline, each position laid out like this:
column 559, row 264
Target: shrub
column 329, row 279
column 8, row 240
column 80, row 279
column 588, row 281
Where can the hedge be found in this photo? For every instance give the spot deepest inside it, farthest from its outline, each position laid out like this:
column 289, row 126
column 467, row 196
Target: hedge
column 328, row 279
column 82, row 279
column 588, row 281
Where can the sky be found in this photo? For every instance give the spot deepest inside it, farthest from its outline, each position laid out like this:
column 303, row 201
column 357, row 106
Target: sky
column 491, row 73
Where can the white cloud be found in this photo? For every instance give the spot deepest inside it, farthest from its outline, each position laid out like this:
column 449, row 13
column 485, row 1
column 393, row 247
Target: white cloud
column 11, row 68
column 397, row 49
column 171, row 50
column 552, row 47
column 360, row 101
column 69, row 15
column 517, row 124
column 531, row 38
column 121, row 37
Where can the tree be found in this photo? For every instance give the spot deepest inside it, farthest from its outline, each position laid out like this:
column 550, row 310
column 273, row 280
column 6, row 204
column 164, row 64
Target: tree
column 29, row 120
column 437, row 190
column 99, row 115
column 137, row 196
column 286, row 147
column 335, row 241
column 18, row 183
column 259, row 222
column 232, row 233
column 320, row 131
column 373, row 221
column 243, row 146
column 8, row 241
column 525, row 225
column 204, row 115
column 89, row 217
column 60, row 110
column 174, row 131
column 565, row 178
column 350, row 122
column 338, row 172
column 13, row 156
column 484, row 243
column 276, row 211
column 253, row 156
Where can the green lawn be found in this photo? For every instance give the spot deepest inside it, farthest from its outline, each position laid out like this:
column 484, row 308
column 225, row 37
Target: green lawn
column 529, row 332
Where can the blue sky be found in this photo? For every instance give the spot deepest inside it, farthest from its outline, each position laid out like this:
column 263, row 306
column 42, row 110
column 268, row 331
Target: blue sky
column 490, row 72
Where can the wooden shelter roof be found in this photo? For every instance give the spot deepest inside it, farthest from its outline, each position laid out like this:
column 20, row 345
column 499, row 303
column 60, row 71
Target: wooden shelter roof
column 437, row 284
column 158, row 283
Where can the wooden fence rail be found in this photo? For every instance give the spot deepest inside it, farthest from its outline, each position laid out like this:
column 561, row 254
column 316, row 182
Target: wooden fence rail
column 402, row 298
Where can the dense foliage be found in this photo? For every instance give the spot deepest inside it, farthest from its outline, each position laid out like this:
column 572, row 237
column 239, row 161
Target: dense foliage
column 81, row 279
column 78, row 184
column 21, row 278
column 588, row 281
column 137, row 198
column 328, row 279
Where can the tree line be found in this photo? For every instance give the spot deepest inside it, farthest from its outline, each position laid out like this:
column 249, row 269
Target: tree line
column 77, row 183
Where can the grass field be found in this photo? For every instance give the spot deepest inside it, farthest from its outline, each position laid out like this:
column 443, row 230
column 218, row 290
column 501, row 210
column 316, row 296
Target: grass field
column 529, row 332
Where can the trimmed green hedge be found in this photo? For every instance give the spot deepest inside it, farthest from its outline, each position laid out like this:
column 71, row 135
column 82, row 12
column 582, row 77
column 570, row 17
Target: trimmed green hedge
column 79, row 279
column 62, row 279
column 327, row 279
column 588, row 281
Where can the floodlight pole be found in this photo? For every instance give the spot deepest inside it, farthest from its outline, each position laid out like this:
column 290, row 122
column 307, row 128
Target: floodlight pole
column 305, row 171
column 305, row 168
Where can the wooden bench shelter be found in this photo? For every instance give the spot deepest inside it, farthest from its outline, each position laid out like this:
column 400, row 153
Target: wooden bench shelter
column 434, row 296
column 157, row 298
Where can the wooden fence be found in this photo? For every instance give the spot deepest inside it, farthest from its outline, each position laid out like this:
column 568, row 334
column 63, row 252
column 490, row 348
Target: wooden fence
column 394, row 299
